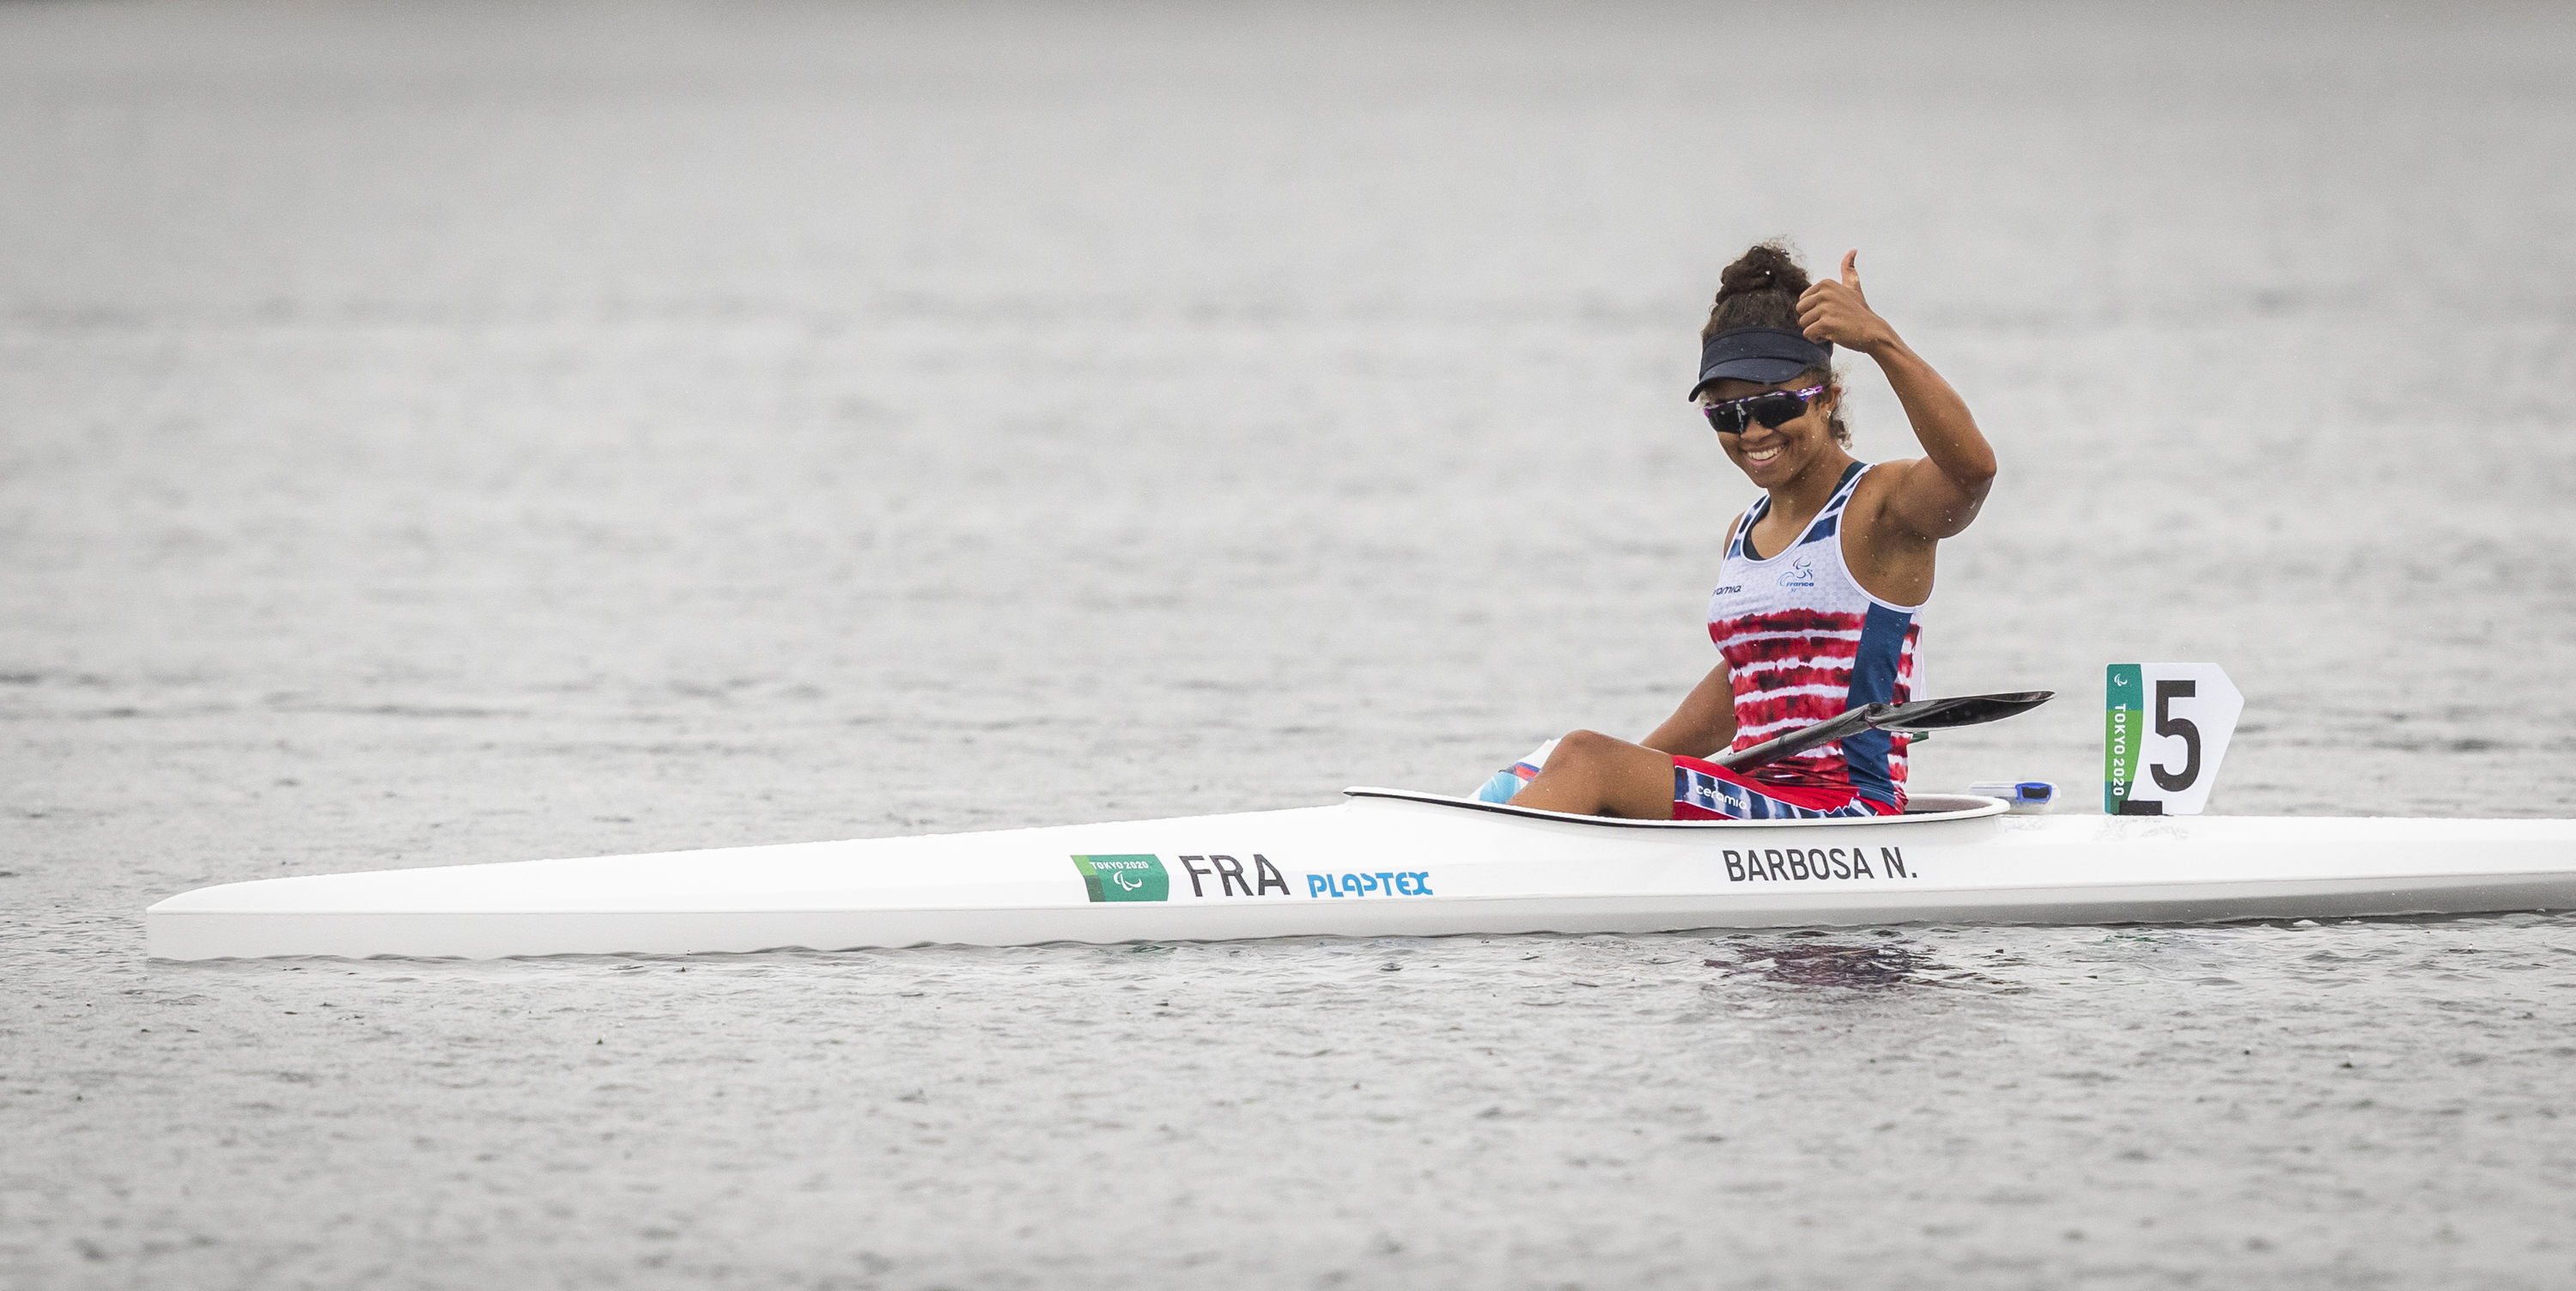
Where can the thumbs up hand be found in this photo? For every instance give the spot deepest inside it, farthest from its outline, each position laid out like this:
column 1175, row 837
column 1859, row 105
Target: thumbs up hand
column 1837, row 312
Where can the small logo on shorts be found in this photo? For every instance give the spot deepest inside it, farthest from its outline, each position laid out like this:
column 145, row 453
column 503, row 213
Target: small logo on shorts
column 1124, row 878
column 1708, row 793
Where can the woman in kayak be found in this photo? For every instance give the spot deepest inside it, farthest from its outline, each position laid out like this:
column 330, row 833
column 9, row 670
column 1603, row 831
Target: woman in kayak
column 1816, row 603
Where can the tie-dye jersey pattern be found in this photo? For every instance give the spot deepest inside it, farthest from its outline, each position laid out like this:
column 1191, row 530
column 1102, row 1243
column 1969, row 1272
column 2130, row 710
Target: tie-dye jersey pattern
column 1803, row 642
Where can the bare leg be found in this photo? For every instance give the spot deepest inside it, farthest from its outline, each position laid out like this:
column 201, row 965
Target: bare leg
column 1591, row 774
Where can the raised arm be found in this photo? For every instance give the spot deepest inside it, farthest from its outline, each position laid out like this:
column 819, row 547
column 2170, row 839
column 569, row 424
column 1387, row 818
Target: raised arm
column 1705, row 722
column 1937, row 495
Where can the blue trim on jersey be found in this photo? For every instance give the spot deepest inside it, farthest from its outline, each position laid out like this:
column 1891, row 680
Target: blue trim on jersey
column 1882, row 643
column 1743, row 544
column 1826, row 523
column 1830, row 519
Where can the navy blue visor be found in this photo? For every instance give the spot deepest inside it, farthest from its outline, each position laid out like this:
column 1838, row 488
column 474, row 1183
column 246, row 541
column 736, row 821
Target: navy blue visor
column 1761, row 355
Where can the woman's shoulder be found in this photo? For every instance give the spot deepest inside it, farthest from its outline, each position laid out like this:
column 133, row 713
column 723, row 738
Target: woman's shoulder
column 1877, row 480
column 1887, row 559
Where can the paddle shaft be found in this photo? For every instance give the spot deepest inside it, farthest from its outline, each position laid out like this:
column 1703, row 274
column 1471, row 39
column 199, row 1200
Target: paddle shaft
column 1799, row 741
column 1922, row 714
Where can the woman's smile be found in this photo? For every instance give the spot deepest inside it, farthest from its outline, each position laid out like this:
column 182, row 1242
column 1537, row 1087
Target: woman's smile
column 1799, row 412
column 1766, row 451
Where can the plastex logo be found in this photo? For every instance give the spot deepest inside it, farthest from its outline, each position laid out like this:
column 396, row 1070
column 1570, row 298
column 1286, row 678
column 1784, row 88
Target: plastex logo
column 1124, row 878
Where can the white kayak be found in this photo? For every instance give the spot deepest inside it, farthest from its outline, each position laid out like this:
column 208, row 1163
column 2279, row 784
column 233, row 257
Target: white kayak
column 1390, row 863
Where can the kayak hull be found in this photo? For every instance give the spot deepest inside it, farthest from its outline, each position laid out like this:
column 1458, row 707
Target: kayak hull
column 1392, row 864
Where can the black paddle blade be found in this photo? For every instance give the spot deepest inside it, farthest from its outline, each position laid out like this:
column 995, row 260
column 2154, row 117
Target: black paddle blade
column 1964, row 710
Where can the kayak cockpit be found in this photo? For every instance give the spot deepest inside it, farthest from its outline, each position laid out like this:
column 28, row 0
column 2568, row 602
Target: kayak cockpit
column 1920, row 809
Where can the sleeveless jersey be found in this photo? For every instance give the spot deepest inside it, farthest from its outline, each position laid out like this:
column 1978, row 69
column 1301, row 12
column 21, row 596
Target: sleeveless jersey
column 1803, row 643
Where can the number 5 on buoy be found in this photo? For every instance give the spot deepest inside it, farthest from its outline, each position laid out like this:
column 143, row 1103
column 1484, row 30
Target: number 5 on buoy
column 2165, row 732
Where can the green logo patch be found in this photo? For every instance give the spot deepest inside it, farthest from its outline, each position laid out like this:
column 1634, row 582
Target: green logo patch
column 2124, row 696
column 1124, row 878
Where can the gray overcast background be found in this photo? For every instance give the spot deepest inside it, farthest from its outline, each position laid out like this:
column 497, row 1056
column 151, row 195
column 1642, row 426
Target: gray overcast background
column 446, row 433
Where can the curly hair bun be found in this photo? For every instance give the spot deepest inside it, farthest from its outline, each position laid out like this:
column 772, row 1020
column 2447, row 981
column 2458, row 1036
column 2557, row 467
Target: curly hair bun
column 1760, row 289
column 1768, row 266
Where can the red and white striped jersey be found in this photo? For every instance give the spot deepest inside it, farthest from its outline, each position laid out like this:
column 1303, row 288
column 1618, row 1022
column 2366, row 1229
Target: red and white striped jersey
column 1803, row 642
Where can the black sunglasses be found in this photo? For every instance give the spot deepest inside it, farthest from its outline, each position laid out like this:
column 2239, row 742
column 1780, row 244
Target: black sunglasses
column 1770, row 408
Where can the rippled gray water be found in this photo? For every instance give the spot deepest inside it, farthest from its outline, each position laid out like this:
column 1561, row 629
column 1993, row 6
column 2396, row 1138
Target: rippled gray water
column 434, row 436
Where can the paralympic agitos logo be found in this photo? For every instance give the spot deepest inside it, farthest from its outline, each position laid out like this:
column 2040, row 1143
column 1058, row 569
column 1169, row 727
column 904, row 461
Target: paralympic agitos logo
column 1133, row 877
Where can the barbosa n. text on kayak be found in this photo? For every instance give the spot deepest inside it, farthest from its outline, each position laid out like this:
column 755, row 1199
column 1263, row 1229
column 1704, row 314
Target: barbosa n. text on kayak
column 1789, row 864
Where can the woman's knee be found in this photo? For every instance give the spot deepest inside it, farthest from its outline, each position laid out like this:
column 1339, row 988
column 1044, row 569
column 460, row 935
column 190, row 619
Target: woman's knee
column 1583, row 747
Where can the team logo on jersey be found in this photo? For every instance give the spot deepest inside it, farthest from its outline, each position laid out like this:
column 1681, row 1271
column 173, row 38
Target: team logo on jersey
column 1802, row 573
